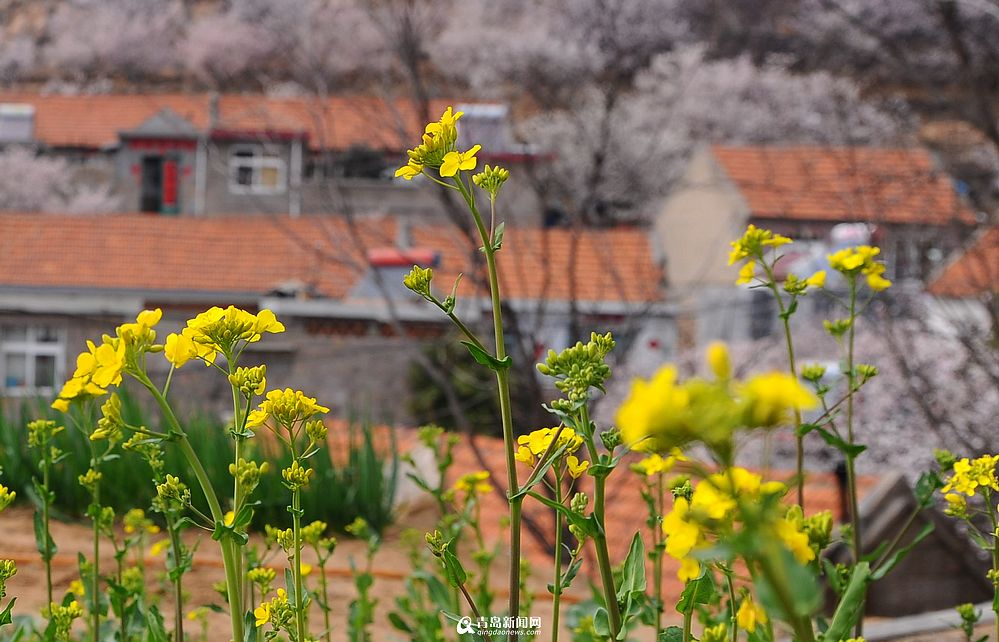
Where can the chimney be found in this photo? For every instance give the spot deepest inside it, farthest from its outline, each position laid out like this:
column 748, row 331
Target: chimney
column 17, row 123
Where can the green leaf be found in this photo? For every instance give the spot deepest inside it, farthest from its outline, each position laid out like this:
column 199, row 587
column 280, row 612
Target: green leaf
column 791, row 309
column 42, row 538
column 804, row 429
column 697, row 591
column 486, row 359
column 453, row 570
column 587, row 525
column 249, row 627
column 633, row 573
column 498, row 236
column 901, row 553
column 400, row 624
column 289, row 585
column 837, row 442
column 851, row 605
column 601, row 622
column 832, row 576
column 671, row 634
column 245, row 515
column 927, row 484
column 155, row 629
column 5, row 617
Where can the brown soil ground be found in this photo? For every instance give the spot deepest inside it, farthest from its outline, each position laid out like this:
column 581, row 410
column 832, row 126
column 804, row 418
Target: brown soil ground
column 390, row 568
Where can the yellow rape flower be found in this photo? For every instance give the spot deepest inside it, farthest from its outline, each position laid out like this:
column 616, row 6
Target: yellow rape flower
column 77, row 588
column 970, row 475
column 262, row 614
column 409, row 171
column 817, row 280
column 681, row 535
column 719, row 361
column 753, row 242
column 218, row 330
column 456, row 161
column 746, row 273
column 473, row 483
column 750, row 615
column 97, row 368
column 576, row 467
column 877, row 283
column 795, row 540
column 535, row 444
column 656, row 464
column 158, row 548
column 652, row 407
column 690, row 569
column 286, row 407
column 768, row 399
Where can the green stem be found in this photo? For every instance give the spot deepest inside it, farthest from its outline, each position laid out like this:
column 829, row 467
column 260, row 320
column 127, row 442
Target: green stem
column 45, row 522
column 326, row 599
column 657, row 537
column 178, row 609
column 229, row 549
column 237, row 490
column 851, row 471
column 296, row 524
column 603, row 557
column 995, row 557
column 803, row 631
column 733, row 623
column 688, row 618
column 95, row 579
column 600, row 539
column 799, row 439
column 557, row 581
column 503, row 388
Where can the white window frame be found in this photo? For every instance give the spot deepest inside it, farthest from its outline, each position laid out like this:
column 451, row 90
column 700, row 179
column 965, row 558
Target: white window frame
column 260, row 158
column 31, row 348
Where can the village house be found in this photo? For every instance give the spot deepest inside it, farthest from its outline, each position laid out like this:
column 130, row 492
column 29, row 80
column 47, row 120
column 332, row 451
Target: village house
column 352, row 328
column 823, row 198
column 965, row 290
column 211, row 154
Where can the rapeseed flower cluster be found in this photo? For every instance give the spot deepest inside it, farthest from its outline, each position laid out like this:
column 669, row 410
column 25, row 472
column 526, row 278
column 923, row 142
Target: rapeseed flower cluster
column 752, row 248
column 581, row 367
column 534, row 445
column 656, row 464
column 855, row 261
column 713, row 512
column 286, row 407
column 472, row 484
column 969, row 476
column 218, row 330
column 438, row 150
column 671, row 414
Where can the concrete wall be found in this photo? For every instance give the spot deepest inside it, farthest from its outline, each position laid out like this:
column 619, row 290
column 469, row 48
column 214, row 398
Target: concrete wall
column 697, row 222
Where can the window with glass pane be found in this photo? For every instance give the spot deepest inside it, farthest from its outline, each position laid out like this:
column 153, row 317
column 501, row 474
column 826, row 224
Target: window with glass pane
column 45, row 371
column 15, row 371
column 31, row 358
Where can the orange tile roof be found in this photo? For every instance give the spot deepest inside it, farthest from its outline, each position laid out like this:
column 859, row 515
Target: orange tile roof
column 843, row 184
column 975, row 271
column 94, row 121
column 254, row 255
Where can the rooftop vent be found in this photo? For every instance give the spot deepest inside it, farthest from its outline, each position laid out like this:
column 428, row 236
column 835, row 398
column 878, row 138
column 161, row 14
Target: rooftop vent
column 17, row 123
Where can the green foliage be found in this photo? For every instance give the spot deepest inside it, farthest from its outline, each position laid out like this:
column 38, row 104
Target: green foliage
column 359, row 483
